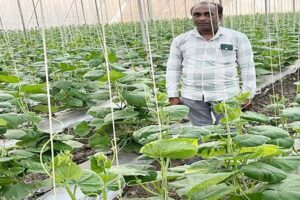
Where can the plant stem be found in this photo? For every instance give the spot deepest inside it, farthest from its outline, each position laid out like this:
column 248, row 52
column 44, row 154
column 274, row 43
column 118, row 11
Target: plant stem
column 72, row 196
column 229, row 140
column 164, row 178
column 146, row 189
column 104, row 194
column 75, row 188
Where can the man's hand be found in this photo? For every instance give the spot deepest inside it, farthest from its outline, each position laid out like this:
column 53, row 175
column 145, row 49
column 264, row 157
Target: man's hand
column 175, row 101
column 247, row 105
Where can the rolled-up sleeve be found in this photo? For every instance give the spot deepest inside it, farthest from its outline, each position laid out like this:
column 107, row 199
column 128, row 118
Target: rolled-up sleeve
column 246, row 64
column 174, row 70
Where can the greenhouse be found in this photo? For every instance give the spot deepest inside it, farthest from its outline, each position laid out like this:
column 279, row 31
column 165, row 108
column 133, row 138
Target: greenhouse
column 150, row 99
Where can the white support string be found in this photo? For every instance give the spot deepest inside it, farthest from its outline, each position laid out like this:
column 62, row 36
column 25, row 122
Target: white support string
column 278, row 46
column 153, row 77
column 115, row 147
column 48, row 99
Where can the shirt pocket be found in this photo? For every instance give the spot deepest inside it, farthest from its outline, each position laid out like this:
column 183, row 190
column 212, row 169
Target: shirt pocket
column 227, row 56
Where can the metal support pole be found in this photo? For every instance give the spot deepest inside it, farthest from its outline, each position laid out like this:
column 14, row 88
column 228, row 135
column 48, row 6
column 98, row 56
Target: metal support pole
column 186, row 10
column 150, row 10
column 120, row 10
column 76, row 8
column 236, row 7
column 97, row 11
column 294, row 6
column 1, row 24
column 83, row 13
column 105, row 8
column 142, row 21
column 220, row 2
column 35, row 13
column 22, row 19
column 266, row 11
column 174, row 6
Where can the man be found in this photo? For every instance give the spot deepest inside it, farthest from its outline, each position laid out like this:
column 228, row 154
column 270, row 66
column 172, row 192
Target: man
column 206, row 60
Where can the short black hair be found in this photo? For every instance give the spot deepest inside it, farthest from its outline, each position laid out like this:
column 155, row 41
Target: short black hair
column 218, row 6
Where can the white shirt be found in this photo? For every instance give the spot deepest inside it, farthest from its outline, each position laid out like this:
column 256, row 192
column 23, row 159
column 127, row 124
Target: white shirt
column 209, row 68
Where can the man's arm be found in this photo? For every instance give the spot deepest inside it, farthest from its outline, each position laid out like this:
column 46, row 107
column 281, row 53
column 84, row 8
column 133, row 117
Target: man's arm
column 246, row 63
column 173, row 74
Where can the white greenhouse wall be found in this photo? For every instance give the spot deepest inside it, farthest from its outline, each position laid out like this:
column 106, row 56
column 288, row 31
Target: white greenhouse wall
column 66, row 12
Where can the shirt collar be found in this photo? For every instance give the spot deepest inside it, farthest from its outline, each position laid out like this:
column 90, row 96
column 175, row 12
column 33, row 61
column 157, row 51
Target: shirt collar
column 217, row 35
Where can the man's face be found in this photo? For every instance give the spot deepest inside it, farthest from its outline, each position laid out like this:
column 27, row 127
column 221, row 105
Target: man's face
column 206, row 19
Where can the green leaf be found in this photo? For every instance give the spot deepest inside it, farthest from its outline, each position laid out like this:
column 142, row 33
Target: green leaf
column 16, row 191
column 5, row 104
column 22, row 153
column 100, row 141
column 90, row 183
column 5, row 159
column 131, row 170
column 112, row 57
column 254, row 116
column 250, row 140
column 136, row 98
column 98, row 111
column 275, row 107
column 9, row 79
column 63, row 137
column 232, row 115
column 291, row 113
column 74, row 144
column 175, row 113
column 297, row 98
column 205, row 166
column 64, row 67
column 13, row 120
column 148, row 133
column 210, row 149
column 6, row 181
column 44, row 108
column 82, row 129
column 100, row 95
column 196, row 182
column 14, row 134
column 242, row 97
column 265, row 150
column 261, row 71
column 285, row 142
column 97, row 123
column 171, row 148
column 3, row 122
column 63, row 85
column 66, row 169
column 74, row 102
column 214, row 192
column 190, row 131
column 114, row 75
column 288, row 189
column 93, row 75
column 286, row 164
column 263, row 172
column 39, row 97
column 34, row 89
column 294, row 125
column 269, row 131
column 112, row 181
column 120, row 115
column 5, row 96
